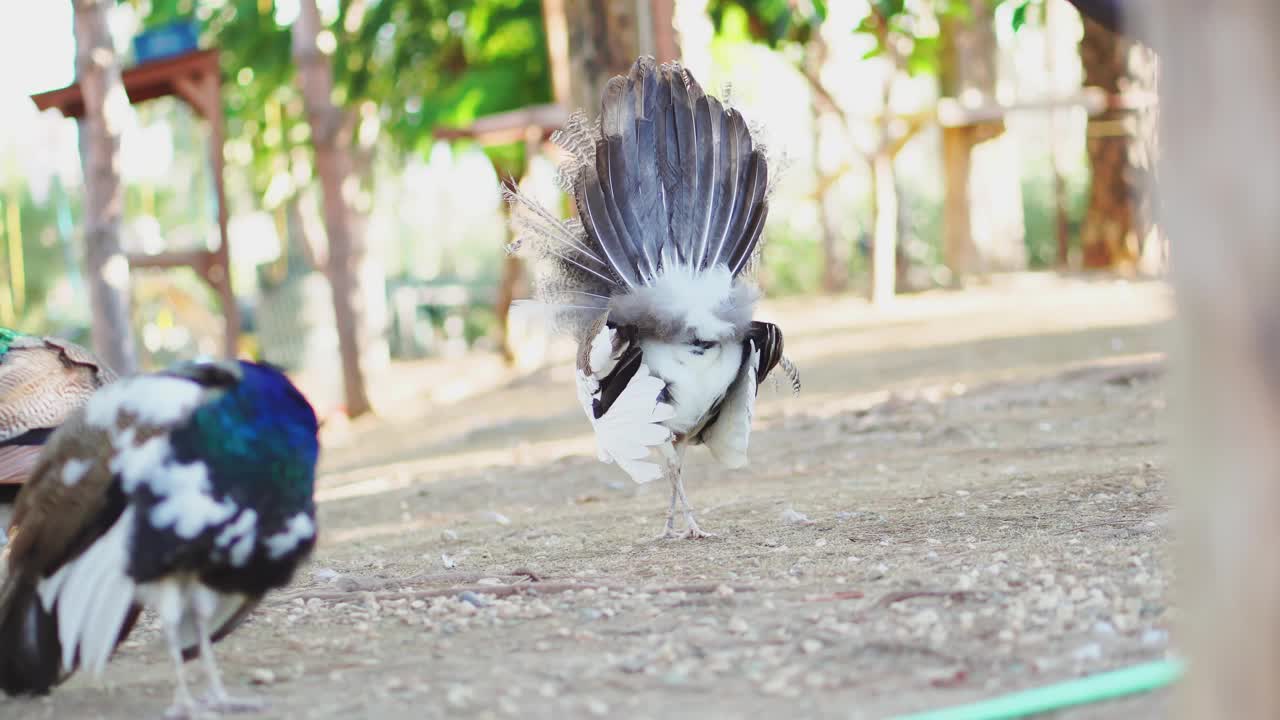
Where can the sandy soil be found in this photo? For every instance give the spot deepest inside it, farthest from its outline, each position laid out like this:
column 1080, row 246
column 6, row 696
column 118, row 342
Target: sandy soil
column 968, row 497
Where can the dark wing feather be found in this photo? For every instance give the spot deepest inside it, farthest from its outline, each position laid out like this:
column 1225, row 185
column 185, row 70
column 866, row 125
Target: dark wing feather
column 682, row 134
column 768, row 338
column 674, row 174
column 599, row 225
column 612, row 385
column 667, row 145
column 643, row 156
column 753, row 220
column 706, row 125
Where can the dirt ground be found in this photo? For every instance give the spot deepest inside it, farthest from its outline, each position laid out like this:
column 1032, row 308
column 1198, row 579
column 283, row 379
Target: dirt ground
column 968, row 497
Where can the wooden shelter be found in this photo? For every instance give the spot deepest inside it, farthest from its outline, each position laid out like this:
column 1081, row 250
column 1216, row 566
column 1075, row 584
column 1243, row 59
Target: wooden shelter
column 196, row 79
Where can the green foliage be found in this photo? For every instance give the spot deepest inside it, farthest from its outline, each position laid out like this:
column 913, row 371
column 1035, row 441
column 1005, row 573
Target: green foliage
column 445, row 62
column 771, row 22
column 402, row 67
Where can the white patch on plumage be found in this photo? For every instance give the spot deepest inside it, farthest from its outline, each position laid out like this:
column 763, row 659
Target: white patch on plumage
column 185, row 503
column 135, row 463
column 299, row 528
column 696, row 380
column 150, row 400
column 632, row 426
column 91, row 596
column 680, row 291
column 74, row 469
column 601, row 358
column 729, row 437
column 183, row 493
column 238, row 537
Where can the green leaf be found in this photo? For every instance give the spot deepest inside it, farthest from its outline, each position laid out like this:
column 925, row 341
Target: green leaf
column 820, row 10
column 1020, row 15
column 923, row 59
column 890, row 8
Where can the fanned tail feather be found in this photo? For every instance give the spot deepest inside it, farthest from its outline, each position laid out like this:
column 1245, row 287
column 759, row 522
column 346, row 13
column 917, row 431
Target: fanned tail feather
column 667, row 175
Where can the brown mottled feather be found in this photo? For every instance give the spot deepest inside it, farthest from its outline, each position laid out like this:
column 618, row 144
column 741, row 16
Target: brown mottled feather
column 49, row 516
column 16, row 463
column 42, row 380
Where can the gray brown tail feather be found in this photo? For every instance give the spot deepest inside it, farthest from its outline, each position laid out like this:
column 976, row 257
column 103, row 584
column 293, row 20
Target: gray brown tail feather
column 666, row 175
column 31, row 660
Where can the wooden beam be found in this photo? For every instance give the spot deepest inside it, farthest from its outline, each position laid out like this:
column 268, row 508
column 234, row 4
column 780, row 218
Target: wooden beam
column 141, row 82
column 508, row 127
column 198, row 260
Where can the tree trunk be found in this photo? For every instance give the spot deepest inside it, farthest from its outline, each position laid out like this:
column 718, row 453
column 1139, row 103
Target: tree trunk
column 331, row 138
column 605, row 38
column 835, row 248
column 1119, row 218
column 884, row 245
column 603, row 42
column 106, row 267
column 983, row 229
column 1220, row 174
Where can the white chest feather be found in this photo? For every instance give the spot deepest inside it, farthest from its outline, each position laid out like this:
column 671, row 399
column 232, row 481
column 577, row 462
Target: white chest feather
column 696, row 381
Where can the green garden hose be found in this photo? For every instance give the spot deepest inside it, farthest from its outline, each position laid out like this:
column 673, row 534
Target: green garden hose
column 1095, row 688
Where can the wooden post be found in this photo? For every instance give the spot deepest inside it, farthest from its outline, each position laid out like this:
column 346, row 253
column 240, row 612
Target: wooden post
column 106, row 267
column 203, row 92
column 1220, row 175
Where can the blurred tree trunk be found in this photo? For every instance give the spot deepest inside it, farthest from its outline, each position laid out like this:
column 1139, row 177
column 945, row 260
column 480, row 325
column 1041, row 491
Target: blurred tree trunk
column 1119, row 217
column 983, row 226
column 605, row 38
column 105, row 102
column 835, row 251
column 331, row 138
column 1220, row 176
column 884, row 243
column 884, row 182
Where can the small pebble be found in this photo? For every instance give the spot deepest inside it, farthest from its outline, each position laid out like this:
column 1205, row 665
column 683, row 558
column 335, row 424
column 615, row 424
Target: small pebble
column 458, row 696
column 497, row 517
column 262, row 676
column 471, row 598
column 791, row 517
column 738, row 626
column 448, row 562
column 1092, row 651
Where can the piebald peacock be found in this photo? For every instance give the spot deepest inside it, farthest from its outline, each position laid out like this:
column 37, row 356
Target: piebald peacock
column 671, row 190
column 189, row 491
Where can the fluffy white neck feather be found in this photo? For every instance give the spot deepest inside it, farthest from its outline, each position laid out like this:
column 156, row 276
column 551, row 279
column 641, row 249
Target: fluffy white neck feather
column 679, row 290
